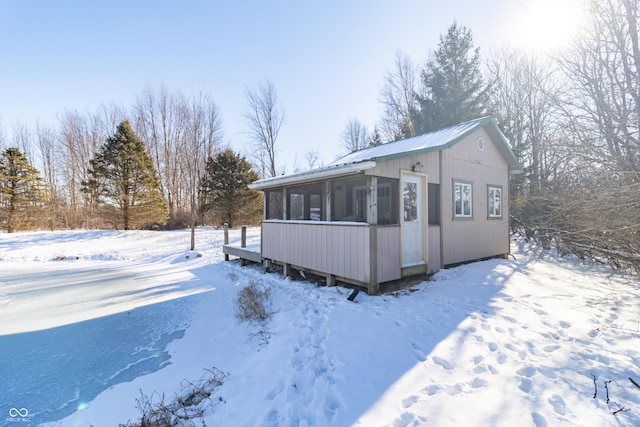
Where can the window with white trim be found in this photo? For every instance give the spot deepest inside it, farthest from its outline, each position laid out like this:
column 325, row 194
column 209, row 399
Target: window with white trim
column 494, row 202
column 462, row 200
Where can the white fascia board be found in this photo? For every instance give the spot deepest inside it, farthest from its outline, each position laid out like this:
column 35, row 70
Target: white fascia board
column 313, row 175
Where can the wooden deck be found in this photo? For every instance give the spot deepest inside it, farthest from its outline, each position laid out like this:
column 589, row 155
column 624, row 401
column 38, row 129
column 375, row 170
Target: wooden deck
column 249, row 254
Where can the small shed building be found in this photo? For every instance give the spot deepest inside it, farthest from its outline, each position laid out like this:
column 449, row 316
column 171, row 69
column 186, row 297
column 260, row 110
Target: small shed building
column 399, row 209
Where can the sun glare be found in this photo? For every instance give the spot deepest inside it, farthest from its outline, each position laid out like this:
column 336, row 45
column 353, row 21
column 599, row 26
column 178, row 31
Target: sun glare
column 547, row 24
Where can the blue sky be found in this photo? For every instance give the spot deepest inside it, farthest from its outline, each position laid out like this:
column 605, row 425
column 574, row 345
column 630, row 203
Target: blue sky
column 326, row 58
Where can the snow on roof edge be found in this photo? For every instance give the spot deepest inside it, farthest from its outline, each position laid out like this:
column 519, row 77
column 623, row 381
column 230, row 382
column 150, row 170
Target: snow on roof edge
column 368, row 157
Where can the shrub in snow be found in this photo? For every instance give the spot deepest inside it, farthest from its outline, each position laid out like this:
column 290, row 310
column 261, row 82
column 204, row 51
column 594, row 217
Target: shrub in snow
column 253, row 305
column 190, row 404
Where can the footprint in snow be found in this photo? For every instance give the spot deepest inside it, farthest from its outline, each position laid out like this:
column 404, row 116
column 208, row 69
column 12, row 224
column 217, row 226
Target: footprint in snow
column 409, row 401
column 433, row 389
column 480, row 369
column 538, row 420
column 276, row 391
column 558, row 404
column 405, row 419
column 331, row 407
column 454, row 389
column 478, row 383
column 419, row 353
column 493, row 346
column 528, row 371
column 565, row 325
column 443, row 363
column 550, row 348
column 540, row 312
column 272, row 418
column 525, row 385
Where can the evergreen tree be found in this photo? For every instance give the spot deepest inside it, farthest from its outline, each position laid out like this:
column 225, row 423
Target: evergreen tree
column 375, row 139
column 225, row 192
column 22, row 191
column 453, row 89
column 122, row 177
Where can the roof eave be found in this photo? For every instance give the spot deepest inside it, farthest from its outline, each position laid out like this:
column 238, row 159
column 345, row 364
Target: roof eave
column 313, row 175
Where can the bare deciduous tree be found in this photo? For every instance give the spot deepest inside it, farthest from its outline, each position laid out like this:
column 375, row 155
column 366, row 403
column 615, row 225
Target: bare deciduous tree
column 603, row 70
column 161, row 119
column 398, row 98
column 46, row 145
column 264, row 116
column 203, row 139
column 355, row 136
column 525, row 100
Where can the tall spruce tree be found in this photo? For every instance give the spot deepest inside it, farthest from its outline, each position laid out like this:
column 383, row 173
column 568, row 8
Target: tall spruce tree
column 122, row 177
column 22, row 191
column 375, row 138
column 453, row 89
column 224, row 189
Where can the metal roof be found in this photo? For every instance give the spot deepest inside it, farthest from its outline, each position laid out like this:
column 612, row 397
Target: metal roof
column 367, row 158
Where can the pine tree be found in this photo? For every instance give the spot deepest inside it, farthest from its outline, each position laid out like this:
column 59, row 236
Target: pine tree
column 453, row 88
column 122, row 177
column 375, row 139
column 225, row 192
column 22, row 191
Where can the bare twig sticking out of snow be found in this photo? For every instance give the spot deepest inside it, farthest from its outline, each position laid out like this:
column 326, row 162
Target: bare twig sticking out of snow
column 595, row 385
column 606, row 386
column 633, row 382
column 620, row 409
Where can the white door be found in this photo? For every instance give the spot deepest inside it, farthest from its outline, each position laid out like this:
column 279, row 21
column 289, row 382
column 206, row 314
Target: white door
column 413, row 209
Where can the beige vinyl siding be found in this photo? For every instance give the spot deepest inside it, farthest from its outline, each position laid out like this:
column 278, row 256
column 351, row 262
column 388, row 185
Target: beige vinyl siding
column 479, row 237
column 392, row 168
column 388, row 251
column 333, row 248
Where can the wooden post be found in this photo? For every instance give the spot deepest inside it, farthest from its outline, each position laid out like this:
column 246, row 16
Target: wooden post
column 243, row 242
column 331, row 280
column 327, row 201
column 226, row 239
column 373, row 287
column 286, row 270
column 372, row 200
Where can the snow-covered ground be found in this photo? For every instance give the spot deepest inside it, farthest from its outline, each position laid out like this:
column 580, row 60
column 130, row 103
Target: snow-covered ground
column 89, row 319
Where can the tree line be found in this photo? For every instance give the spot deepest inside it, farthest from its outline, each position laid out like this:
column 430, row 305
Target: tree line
column 143, row 168
column 572, row 117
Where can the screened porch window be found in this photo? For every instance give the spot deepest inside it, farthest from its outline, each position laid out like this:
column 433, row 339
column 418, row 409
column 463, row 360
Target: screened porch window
column 387, row 201
column 349, row 200
column 274, row 205
column 305, row 203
